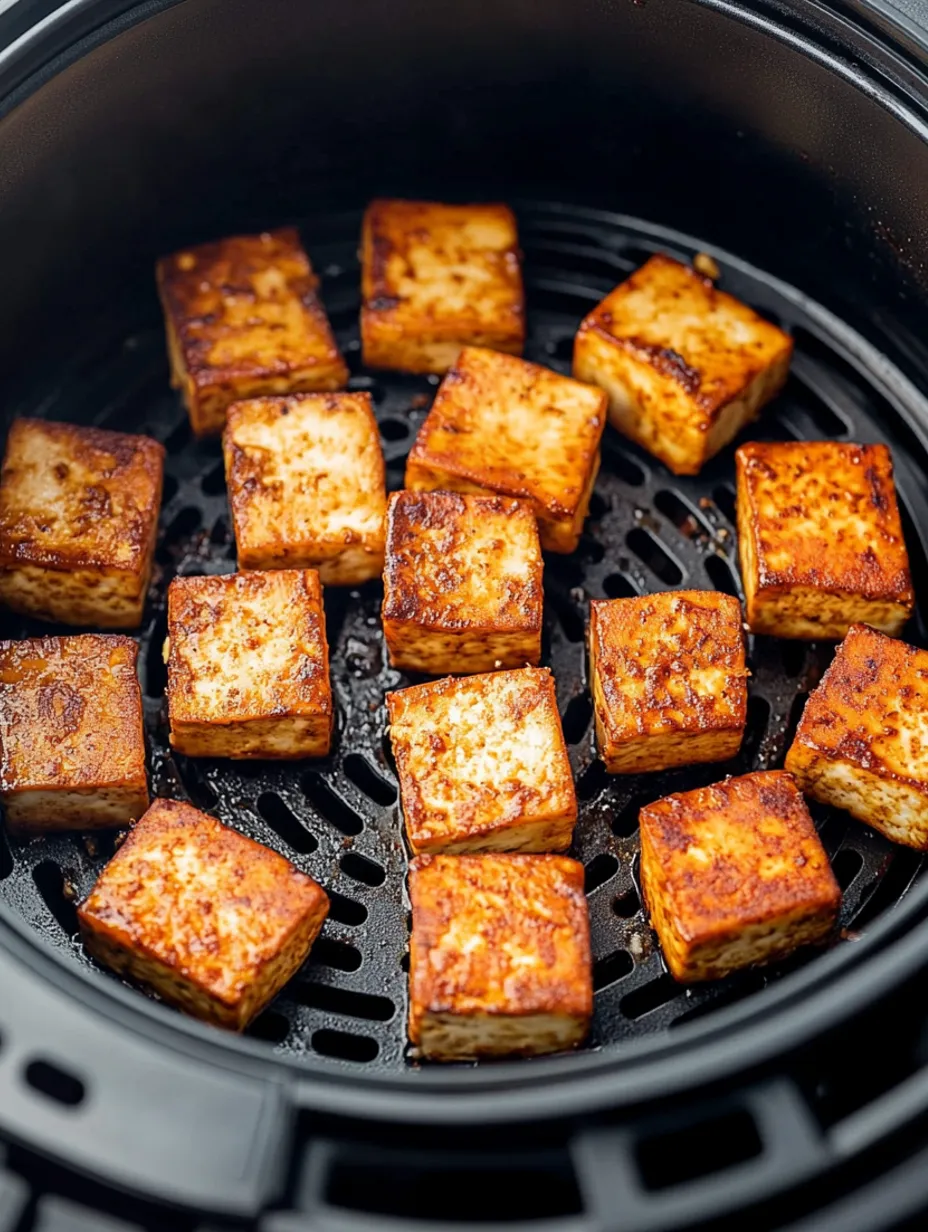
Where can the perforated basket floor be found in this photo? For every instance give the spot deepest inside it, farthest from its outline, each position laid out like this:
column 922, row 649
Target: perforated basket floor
column 339, row 819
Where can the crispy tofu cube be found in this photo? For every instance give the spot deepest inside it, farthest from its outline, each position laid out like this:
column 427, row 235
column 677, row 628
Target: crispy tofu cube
column 435, row 278
column 78, row 518
column 862, row 741
column 482, row 764
column 248, row 666
column 243, row 318
column 735, row 875
column 462, row 584
column 307, row 486
column 668, row 678
column 500, row 424
column 72, row 744
column 499, row 956
column 685, row 365
column 209, row 920
column 820, row 539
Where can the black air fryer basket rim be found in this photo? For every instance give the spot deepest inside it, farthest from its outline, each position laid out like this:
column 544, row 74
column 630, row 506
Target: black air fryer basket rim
column 35, row 53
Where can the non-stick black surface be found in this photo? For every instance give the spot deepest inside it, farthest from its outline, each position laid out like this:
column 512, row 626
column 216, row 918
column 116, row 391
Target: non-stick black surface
column 339, row 819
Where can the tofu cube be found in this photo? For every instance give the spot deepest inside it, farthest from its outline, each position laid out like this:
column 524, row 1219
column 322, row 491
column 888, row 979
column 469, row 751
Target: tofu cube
column 500, row 424
column 209, row 920
column 735, row 875
column 685, row 365
column 820, row 539
column 861, row 742
column 499, row 956
column 248, row 666
column 482, row 764
column 668, row 678
column 306, row 485
column 435, row 278
column 462, row 584
column 72, row 743
column 243, row 318
column 78, row 519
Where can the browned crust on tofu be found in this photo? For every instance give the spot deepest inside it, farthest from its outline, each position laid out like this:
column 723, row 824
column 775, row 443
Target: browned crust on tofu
column 685, row 365
column 71, row 729
column 79, row 498
column 862, row 741
column 248, row 649
column 669, row 679
column 500, row 937
column 211, row 921
column 732, row 365
column 436, row 277
column 500, row 424
column 735, row 874
column 462, row 583
column 244, row 318
column 307, row 485
column 820, row 538
column 482, row 763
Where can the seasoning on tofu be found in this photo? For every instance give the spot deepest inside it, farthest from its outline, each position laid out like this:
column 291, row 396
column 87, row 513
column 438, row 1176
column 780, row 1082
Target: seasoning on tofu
column 861, row 742
column 306, row 485
column 435, row 278
column 72, row 744
column 78, row 518
column 668, row 678
column 244, row 318
column 209, row 920
column 820, row 539
column 685, row 365
column 499, row 956
column 462, row 583
column 734, row 875
column 500, row 424
column 482, row 764
column 248, row 666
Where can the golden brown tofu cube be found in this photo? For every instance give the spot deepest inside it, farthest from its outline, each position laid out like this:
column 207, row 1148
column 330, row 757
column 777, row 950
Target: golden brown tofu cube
column 72, row 744
column 820, row 539
column 861, row 745
column 668, row 678
column 462, row 584
column 499, row 956
column 503, row 425
column 685, row 365
column 435, row 278
column 734, row 875
column 243, row 318
column 248, row 666
column 78, row 518
column 306, row 485
column 482, row 764
column 209, row 920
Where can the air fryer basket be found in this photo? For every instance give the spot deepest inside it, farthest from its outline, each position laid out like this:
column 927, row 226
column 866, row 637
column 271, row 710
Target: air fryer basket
column 615, row 130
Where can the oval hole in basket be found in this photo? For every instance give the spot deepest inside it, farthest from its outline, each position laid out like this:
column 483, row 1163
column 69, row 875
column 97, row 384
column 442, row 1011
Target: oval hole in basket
column 55, row 1083
column 339, row 955
column 285, row 824
column 330, row 806
column 6, row 858
column 627, row 905
column 576, row 718
column 335, row 1000
column 601, row 868
column 213, row 482
column 724, row 498
column 345, row 910
column 846, row 865
column 650, row 997
column 650, row 553
column 50, row 882
column 360, row 868
column 612, row 968
column 617, row 586
column 344, row 1046
column 677, row 511
column 394, row 429
column 721, row 576
column 271, row 1026
column 359, row 770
